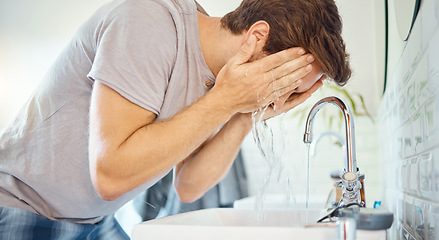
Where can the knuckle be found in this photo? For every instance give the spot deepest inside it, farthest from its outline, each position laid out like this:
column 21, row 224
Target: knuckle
column 277, row 60
column 301, row 61
column 243, row 51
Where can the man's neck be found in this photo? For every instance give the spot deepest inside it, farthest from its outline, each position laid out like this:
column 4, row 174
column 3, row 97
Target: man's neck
column 217, row 44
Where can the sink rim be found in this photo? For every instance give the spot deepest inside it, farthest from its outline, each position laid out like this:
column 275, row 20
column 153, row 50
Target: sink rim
column 232, row 217
column 166, row 228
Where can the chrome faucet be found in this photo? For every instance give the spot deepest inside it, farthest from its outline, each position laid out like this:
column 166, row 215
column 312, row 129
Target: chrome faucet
column 350, row 178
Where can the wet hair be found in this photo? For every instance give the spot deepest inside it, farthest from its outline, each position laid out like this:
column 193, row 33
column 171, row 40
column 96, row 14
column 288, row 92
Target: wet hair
column 314, row 25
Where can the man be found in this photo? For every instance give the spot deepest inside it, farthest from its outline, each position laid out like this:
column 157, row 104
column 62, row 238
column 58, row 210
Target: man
column 147, row 86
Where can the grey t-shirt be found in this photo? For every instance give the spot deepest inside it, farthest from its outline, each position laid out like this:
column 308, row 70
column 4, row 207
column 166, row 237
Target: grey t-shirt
column 148, row 51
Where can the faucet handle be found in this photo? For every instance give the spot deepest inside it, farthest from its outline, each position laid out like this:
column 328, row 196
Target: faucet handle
column 349, row 176
column 351, row 186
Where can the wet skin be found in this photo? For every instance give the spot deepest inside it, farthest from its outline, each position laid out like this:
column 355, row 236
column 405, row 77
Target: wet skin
column 309, row 80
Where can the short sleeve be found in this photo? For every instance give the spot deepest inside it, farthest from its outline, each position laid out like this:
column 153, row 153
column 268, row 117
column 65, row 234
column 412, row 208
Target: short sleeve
column 136, row 51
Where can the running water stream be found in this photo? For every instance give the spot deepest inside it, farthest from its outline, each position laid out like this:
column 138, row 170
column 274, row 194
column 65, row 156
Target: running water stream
column 308, row 147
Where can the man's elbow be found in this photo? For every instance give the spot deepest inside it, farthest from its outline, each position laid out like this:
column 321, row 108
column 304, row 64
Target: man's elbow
column 188, row 198
column 106, row 188
column 108, row 195
column 186, row 194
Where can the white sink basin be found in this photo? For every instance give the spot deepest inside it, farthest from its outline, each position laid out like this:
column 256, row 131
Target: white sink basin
column 231, row 224
column 278, row 201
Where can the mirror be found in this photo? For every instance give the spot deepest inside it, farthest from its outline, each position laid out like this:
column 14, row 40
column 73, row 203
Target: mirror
column 405, row 11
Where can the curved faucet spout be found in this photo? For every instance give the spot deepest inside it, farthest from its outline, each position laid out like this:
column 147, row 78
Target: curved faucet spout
column 351, row 162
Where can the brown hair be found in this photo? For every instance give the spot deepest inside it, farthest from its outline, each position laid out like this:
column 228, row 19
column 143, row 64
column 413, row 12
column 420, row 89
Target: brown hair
column 314, row 25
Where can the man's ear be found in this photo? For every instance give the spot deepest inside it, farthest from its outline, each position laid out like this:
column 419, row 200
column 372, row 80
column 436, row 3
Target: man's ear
column 260, row 30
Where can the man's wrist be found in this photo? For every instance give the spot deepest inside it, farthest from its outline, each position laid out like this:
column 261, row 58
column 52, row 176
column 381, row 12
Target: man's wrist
column 244, row 120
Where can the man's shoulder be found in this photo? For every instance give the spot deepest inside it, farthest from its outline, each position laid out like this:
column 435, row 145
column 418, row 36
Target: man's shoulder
column 179, row 6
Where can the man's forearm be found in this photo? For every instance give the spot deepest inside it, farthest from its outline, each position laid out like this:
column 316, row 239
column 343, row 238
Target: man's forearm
column 153, row 148
column 197, row 174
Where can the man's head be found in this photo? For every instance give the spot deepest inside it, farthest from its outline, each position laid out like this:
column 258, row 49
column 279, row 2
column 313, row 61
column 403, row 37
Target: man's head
column 314, row 25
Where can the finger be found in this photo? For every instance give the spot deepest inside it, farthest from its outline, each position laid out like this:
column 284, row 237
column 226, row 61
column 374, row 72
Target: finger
column 245, row 52
column 291, row 88
column 279, row 103
column 316, row 85
column 277, row 59
column 274, row 96
column 293, row 96
column 309, row 92
column 290, row 79
column 288, row 102
column 292, row 66
column 296, row 100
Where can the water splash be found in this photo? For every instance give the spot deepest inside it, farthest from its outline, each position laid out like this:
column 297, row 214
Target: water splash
column 270, row 140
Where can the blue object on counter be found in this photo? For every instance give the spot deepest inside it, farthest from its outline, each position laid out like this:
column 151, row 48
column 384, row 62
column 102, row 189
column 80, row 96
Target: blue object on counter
column 377, row 205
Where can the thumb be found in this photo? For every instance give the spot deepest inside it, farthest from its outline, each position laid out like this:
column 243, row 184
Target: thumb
column 279, row 103
column 245, row 52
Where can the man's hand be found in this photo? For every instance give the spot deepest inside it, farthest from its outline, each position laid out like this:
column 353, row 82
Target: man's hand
column 287, row 102
column 245, row 86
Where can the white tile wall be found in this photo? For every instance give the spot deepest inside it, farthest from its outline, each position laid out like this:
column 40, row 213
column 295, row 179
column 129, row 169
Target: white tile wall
column 409, row 132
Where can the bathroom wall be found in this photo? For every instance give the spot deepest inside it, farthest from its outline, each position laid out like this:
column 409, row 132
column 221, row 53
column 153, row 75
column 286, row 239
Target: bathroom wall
column 409, row 127
column 32, row 34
